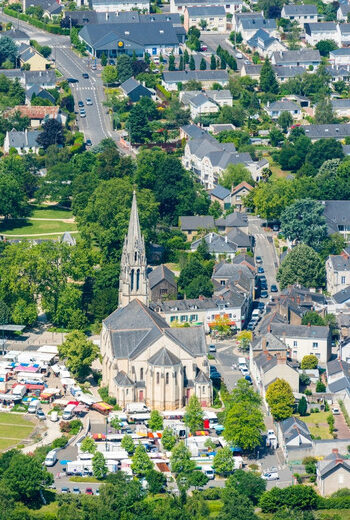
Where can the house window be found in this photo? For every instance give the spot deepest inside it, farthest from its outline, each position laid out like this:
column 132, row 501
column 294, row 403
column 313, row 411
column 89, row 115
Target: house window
column 141, row 374
column 295, row 343
column 167, row 378
column 194, row 317
column 127, row 391
column 343, row 279
column 183, row 318
column 164, row 291
column 222, row 282
column 318, row 355
column 154, row 50
column 315, row 344
column 238, row 197
column 173, row 318
column 203, row 389
column 157, row 378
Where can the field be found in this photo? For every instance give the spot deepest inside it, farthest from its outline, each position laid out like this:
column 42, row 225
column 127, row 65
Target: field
column 13, row 429
column 50, row 212
column 318, row 426
column 22, row 228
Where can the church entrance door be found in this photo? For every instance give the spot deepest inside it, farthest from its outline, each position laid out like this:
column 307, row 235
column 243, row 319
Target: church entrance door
column 141, row 395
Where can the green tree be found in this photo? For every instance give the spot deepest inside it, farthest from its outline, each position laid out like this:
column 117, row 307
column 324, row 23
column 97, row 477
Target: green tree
column 128, row 444
column 324, row 112
column 244, row 337
column 297, row 497
column 192, row 63
column 325, row 47
column 156, row 481
column 124, row 68
column 168, row 439
column 139, row 129
column 203, row 64
column 271, row 198
column 312, row 318
column 330, row 421
column 197, row 479
column 13, row 200
column 88, row 445
column 194, row 414
column 246, row 483
column 302, row 407
column 236, row 506
column 103, row 59
column 320, row 387
column 302, row 266
column 180, row 460
column 156, row 421
column 268, row 80
column 116, row 423
column 285, row 120
column 8, row 50
column 186, row 57
column 234, row 175
column 181, row 63
column 224, row 462
column 24, row 313
column 109, row 74
column 303, row 221
column 52, row 133
column 212, row 62
column 99, row 466
column 280, row 398
column 141, row 463
column 171, row 62
column 243, row 425
column 275, row 136
column 79, row 353
column 26, row 477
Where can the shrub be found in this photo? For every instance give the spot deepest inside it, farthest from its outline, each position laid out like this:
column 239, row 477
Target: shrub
column 60, row 442
column 211, row 493
column 65, row 426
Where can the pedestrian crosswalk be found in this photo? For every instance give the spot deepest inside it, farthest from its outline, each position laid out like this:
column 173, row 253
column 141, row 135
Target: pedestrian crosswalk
column 260, row 235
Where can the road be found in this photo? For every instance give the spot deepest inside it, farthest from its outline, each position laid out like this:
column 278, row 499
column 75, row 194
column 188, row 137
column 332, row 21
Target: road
column 97, row 124
column 264, row 247
column 214, row 40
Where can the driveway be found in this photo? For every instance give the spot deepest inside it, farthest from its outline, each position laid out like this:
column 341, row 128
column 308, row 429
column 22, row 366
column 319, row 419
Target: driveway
column 341, row 428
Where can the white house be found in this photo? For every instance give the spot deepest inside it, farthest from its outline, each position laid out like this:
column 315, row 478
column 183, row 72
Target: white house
column 338, row 273
column 207, row 102
column 276, row 108
column 113, row 6
column 292, row 433
column 249, row 26
column 24, row 142
column 304, row 13
column 214, row 17
column 340, row 57
column 301, row 58
column 341, row 107
column 342, row 12
column 265, row 44
column 315, row 32
column 231, row 6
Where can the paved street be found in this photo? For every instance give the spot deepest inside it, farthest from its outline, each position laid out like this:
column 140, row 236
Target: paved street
column 264, row 247
column 214, row 40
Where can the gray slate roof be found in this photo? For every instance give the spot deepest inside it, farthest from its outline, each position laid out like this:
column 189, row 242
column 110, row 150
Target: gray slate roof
column 283, row 105
column 40, row 77
column 204, row 11
column 270, row 342
column 25, row 139
column 239, row 238
column 122, row 379
column 193, row 223
column 342, row 296
column 340, row 103
column 337, row 213
column 178, row 76
column 292, row 428
column 330, row 463
column 16, row 34
column 297, row 57
column 320, row 27
column 194, row 131
column 67, row 238
column 337, row 131
column 220, row 192
column 299, row 331
column 340, row 52
column 300, row 10
column 217, row 244
column 258, row 23
column 232, row 298
column 235, row 219
column 164, row 358
column 162, row 272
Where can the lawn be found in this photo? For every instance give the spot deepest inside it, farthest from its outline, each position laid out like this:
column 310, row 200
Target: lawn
column 215, row 507
column 50, row 212
column 21, row 227
column 13, row 428
column 318, row 426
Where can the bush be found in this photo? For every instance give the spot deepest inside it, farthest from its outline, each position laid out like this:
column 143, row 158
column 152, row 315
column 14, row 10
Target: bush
column 53, row 29
column 164, row 91
column 211, row 493
column 320, row 387
column 60, row 442
column 65, row 426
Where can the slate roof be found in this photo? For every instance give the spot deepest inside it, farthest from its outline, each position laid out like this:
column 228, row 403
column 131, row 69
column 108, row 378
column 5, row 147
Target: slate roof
column 235, row 219
column 122, row 379
column 330, row 463
column 239, row 238
column 303, row 55
column 40, row 77
column 253, row 70
column 300, row 331
column 217, row 244
column 199, row 100
column 194, row 131
column 129, row 85
column 342, row 296
column 283, row 105
column 261, row 39
column 292, row 428
column 220, row 192
column 288, row 72
column 204, row 11
column 337, row 131
column 339, row 263
column 164, row 358
column 178, row 76
column 300, row 10
column 233, row 298
column 161, row 273
column 221, row 159
column 242, row 257
column 103, row 36
column 341, row 52
column 338, row 385
column 334, row 366
column 202, row 378
column 344, row 28
column 337, row 212
column 258, row 23
column 340, row 103
column 271, row 343
column 16, row 34
column 25, row 139
column 67, row 238
column 192, row 223
column 321, row 27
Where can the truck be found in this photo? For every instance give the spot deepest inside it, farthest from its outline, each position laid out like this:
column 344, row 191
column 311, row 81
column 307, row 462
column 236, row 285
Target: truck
column 34, row 406
column 68, row 412
column 79, row 467
column 51, row 458
column 19, row 390
column 137, row 408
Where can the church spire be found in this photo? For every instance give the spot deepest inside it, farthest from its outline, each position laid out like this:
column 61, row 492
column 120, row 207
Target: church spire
column 133, row 282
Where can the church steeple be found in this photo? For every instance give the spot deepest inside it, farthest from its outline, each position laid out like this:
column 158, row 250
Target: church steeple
column 133, row 282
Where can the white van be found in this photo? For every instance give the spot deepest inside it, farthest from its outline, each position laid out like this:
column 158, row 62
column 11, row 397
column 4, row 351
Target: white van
column 242, row 363
column 68, row 412
column 51, row 458
column 33, row 406
column 54, row 416
column 256, row 313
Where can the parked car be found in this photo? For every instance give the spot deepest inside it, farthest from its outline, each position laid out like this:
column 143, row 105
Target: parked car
column 97, row 492
column 250, row 326
column 89, row 101
column 270, row 476
column 274, row 288
column 264, row 294
column 245, row 372
column 54, row 416
column 40, row 414
column 65, row 490
column 85, row 75
column 239, row 55
column 261, row 270
column 89, row 491
column 212, row 348
column 258, row 260
column 88, row 142
column 76, row 491
column 261, row 306
column 263, row 286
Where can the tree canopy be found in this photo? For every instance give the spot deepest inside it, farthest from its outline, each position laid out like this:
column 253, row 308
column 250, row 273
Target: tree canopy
column 280, row 398
column 302, row 266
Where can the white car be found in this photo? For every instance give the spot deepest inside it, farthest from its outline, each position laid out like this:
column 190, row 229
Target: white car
column 270, row 476
column 271, row 433
column 244, row 372
column 239, row 55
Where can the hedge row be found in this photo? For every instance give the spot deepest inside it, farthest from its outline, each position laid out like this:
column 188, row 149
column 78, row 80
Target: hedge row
column 164, row 91
column 54, row 29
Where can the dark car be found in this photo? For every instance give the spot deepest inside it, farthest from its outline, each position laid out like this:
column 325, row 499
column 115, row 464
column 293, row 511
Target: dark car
column 258, row 260
column 250, row 326
column 264, row 294
column 263, row 286
column 212, row 348
column 262, row 278
column 261, row 270
column 85, row 75
column 88, row 142
column 72, row 80
column 80, row 104
column 261, row 306
column 274, row 288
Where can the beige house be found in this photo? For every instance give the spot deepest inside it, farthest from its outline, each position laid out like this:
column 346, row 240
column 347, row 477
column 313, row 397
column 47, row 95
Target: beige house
column 338, row 273
column 209, row 18
column 34, row 60
column 191, row 226
column 238, row 193
column 333, row 473
column 143, row 359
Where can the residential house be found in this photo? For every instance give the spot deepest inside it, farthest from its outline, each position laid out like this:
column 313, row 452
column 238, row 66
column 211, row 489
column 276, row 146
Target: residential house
column 338, row 273
column 265, row 368
column 14, row 74
column 45, row 79
column 205, row 102
column 222, row 98
column 338, row 376
column 68, row 239
column 112, row 39
column 304, row 13
column 294, row 302
column 265, row 44
column 24, row 142
column 246, row 15
column 213, row 16
column 338, row 74
column 222, row 196
column 220, row 127
column 39, row 114
column 242, row 241
column 249, row 26
column 293, row 435
column 109, row 6
column 162, row 283
column 134, row 90
column 192, row 225
column 238, row 193
column 18, row 36
column 253, row 71
column 341, row 107
column 343, row 34
column 235, row 220
column 276, row 108
column 332, row 473
column 207, row 78
column 37, row 92
column 337, row 215
column 231, row 6
column 234, row 275
column 343, row 320
column 218, row 245
column 192, row 132
column 301, row 58
column 33, row 59
column 285, row 73
column 315, row 32
column 340, row 57
column 233, row 306
column 340, row 301
column 342, row 12
column 244, row 259
column 328, row 131
column 51, row 8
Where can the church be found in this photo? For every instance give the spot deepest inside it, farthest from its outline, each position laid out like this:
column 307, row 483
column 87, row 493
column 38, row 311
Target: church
column 143, row 358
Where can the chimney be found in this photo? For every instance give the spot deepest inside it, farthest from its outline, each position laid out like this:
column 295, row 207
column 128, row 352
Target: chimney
column 269, row 328
column 263, row 345
column 226, row 239
column 335, row 451
column 298, row 300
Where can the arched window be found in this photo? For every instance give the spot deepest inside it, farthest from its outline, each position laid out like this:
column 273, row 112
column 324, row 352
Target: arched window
column 132, row 280
column 135, row 256
column 157, row 378
column 167, row 378
column 138, row 279
column 203, row 389
column 141, row 374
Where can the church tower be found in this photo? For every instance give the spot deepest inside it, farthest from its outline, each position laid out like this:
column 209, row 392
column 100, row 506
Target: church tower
column 133, row 282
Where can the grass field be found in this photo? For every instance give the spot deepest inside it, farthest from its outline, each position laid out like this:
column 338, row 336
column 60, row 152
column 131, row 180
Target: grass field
column 318, row 426
column 50, row 212
column 13, row 428
column 35, row 227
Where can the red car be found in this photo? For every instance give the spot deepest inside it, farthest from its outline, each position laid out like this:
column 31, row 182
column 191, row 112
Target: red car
column 89, row 491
